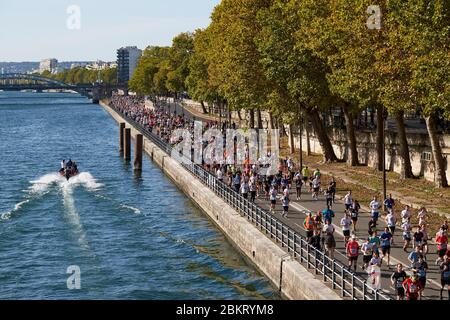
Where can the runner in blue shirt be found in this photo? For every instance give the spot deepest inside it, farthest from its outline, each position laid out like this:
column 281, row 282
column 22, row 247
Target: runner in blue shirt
column 386, row 238
column 328, row 214
column 389, row 203
column 421, row 268
column 237, row 182
column 414, row 256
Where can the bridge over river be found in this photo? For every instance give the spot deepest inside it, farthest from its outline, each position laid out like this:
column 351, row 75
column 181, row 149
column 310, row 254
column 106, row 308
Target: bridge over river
column 21, row 82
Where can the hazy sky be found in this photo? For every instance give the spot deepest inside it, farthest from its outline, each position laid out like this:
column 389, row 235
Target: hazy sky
column 35, row 30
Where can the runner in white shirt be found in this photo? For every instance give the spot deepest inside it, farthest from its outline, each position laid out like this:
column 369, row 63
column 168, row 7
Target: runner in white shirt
column 406, row 227
column 406, row 214
column 219, row 174
column 346, row 222
column 348, row 201
column 374, row 272
column 423, row 228
column 298, row 179
column 316, row 188
column 273, row 198
column 328, row 228
column 252, row 179
column 289, row 164
column 367, row 250
column 286, row 191
column 422, row 216
column 391, row 222
column 375, row 209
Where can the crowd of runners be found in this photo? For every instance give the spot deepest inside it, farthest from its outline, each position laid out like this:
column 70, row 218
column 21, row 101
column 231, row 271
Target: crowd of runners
column 293, row 182
column 375, row 247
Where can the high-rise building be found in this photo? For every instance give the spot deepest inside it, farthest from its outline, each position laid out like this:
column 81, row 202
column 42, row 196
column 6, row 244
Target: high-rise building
column 48, row 65
column 127, row 60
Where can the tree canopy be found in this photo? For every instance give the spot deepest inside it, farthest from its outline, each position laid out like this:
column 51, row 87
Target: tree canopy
column 290, row 56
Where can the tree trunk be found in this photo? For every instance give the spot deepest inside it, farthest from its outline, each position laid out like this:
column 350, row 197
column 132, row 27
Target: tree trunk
column 203, row 107
column 300, row 142
column 439, row 162
column 380, row 137
column 281, row 127
column 251, row 123
column 239, row 115
column 322, row 136
column 291, row 139
column 259, row 119
column 271, row 122
column 229, row 114
column 352, row 155
column 406, row 171
column 219, row 104
column 330, row 118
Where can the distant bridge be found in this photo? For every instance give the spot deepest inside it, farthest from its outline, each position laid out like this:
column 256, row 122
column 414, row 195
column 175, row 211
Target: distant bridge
column 20, row 82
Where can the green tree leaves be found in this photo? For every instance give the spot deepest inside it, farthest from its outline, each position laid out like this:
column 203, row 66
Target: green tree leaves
column 82, row 75
column 147, row 78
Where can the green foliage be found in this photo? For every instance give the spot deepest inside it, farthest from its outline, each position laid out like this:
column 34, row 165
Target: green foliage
column 337, row 33
column 278, row 55
column 178, row 63
column 426, row 27
column 197, row 82
column 299, row 75
column 82, row 75
column 234, row 59
column 146, row 79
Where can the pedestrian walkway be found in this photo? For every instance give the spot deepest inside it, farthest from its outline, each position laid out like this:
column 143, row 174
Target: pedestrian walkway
column 295, row 220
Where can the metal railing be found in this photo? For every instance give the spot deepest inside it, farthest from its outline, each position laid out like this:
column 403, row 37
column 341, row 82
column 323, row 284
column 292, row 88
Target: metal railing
column 330, row 270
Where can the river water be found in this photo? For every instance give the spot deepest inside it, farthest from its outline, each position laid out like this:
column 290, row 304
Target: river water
column 132, row 237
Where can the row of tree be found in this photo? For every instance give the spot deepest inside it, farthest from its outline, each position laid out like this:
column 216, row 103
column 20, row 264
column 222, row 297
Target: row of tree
column 297, row 58
column 81, row 75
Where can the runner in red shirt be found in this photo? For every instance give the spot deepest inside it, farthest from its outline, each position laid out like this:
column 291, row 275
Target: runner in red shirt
column 352, row 250
column 413, row 288
column 442, row 243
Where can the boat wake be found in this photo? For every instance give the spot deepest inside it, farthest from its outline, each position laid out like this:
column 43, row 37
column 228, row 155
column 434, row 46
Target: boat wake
column 41, row 186
column 119, row 205
column 17, row 207
column 71, row 212
column 135, row 210
column 37, row 190
column 84, row 179
column 47, row 183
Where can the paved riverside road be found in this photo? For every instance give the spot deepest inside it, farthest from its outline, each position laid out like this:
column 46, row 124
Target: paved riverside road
column 295, row 221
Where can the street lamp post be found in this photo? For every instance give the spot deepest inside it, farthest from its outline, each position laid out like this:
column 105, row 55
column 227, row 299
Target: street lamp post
column 300, row 128
column 384, row 158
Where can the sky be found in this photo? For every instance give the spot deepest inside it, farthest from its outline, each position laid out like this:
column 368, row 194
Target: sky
column 86, row 30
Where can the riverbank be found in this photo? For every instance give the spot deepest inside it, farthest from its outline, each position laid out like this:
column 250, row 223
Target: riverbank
column 292, row 279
